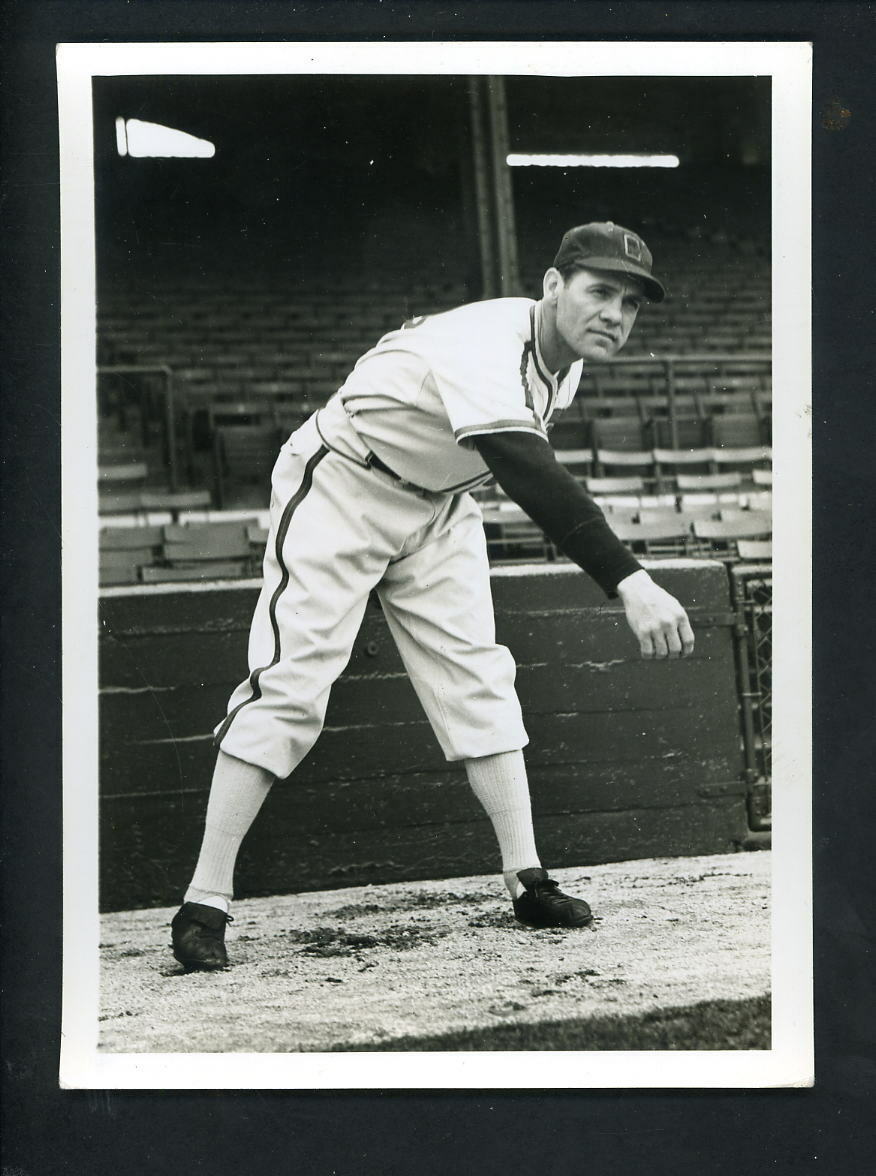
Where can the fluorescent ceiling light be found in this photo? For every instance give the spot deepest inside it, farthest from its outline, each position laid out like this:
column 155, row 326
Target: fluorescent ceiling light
column 606, row 160
column 145, row 140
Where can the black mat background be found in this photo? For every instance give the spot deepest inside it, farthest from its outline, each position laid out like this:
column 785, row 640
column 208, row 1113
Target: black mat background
column 828, row 1129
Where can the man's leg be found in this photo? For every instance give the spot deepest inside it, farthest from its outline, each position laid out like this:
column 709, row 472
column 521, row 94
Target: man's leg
column 236, row 795
column 334, row 527
column 500, row 784
column 237, row 792
column 438, row 604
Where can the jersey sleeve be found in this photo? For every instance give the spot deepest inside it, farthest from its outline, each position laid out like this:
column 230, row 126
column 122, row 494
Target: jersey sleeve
column 481, row 378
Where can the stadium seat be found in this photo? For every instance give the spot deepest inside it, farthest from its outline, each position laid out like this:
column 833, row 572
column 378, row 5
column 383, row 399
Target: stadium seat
column 688, row 483
column 744, row 458
column 130, row 538
column 756, row 550
column 692, row 507
column 569, row 434
column 622, row 432
column 215, row 570
column 175, row 502
column 684, row 432
column 760, row 500
column 673, row 458
column 123, row 565
column 578, row 461
column 118, row 502
column 129, row 473
column 661, row 515
column 617, row 459
column 736, row 430
column 189, row 542
column 631, row 485
column 512, row 537
column 668, row 538
column 720, row 536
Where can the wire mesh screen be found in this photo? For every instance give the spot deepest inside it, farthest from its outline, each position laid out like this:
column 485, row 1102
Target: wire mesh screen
column 753, row 593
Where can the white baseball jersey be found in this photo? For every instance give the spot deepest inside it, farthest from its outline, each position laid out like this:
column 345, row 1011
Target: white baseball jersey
column 420, row 396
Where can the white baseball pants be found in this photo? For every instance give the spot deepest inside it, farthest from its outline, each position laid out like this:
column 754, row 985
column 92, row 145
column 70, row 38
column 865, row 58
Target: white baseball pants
column 339, row 529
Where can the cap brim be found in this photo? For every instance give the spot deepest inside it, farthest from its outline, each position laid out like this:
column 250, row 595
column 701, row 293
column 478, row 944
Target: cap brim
column 654, row 290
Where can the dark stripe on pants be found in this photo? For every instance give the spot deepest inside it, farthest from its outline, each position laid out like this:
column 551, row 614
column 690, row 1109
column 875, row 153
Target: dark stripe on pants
column 282, row 530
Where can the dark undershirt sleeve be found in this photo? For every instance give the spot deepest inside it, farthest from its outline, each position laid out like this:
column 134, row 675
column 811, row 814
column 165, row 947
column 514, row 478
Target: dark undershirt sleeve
column 526, row 468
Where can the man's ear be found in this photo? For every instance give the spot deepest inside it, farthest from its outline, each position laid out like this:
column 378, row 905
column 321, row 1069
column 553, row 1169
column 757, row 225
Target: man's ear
column 552, row 283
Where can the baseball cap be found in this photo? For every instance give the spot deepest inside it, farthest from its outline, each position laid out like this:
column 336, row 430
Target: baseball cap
column 603, row 245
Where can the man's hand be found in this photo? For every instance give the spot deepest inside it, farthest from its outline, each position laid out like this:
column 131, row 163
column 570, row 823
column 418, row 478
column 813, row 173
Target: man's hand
column 658, row 621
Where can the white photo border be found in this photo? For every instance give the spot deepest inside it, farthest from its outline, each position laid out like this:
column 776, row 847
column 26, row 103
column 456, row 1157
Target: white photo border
column 790, row 1060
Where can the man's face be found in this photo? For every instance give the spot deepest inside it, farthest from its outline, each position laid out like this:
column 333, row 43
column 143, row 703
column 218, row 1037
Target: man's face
column 596, row 310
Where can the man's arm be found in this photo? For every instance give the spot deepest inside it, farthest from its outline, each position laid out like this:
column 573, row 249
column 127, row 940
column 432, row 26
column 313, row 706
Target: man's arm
column 526, row 468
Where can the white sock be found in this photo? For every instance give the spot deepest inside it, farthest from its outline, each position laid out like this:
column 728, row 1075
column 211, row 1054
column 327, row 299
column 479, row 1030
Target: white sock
column 237, row 793
column 500, row 784
column 219, row 901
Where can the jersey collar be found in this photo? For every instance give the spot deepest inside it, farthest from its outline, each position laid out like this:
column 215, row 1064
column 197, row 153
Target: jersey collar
column 551, row 381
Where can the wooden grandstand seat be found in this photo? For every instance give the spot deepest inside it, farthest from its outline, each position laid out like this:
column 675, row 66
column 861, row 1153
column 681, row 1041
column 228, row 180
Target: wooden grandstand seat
column 620, row 511
column 687, row 483
column 760, row 500
column 730, row 403
column 629, row 485
column 627, row 432
column 746, row 457
column 130, row 538
column 690, row 509
column 203, row 542
column 656, row 406
column 608, row 459
column 736, row 430
column 668, row 537
column 755, row 549
column 577, row 460
column 667, row 461
column 762, row 477
column 599, row 407
column 512, row 537
column 762, row 518
column 684, row 432
column 214, row 570
column 569, row 434
column 128, row 473
column 722, row 535
column 114, row 502
column 123, row 565
column 175, row 501
column 662, row 515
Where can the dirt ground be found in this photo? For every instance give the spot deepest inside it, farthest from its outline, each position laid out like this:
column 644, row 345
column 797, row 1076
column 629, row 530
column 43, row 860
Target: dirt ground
column 368, row 964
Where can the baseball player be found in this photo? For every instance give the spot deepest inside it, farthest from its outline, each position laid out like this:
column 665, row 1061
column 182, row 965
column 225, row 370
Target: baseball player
column 372, row 493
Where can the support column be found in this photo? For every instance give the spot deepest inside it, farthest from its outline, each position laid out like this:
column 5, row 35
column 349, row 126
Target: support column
column 493, row 191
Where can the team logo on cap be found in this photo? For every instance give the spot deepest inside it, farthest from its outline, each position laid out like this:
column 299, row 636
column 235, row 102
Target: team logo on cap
column 632, row 247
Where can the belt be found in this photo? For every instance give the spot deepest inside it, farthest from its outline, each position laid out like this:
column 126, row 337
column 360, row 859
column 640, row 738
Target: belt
column 375, row 463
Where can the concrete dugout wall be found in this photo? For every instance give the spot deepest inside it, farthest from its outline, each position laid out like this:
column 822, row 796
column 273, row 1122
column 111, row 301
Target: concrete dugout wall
column 627, row 758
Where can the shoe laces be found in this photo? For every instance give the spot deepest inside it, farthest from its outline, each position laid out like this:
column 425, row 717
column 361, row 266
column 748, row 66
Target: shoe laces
column 550, row 889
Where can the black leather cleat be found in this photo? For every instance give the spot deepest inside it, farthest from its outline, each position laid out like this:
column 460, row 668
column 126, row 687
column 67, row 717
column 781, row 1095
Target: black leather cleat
column 543, row 904
column 198, row 937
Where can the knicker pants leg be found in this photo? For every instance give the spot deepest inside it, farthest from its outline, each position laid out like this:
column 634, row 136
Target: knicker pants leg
column 438, row 603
